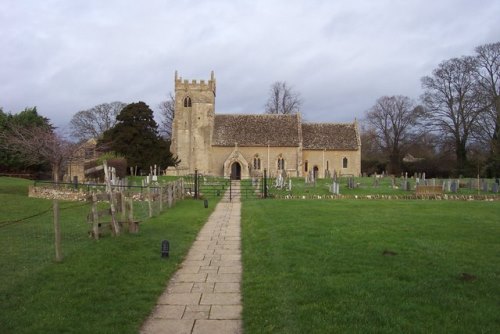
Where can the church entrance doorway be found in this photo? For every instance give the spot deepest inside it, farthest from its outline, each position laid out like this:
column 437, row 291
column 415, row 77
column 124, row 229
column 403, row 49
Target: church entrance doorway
column 236, row 171
column 316, row 172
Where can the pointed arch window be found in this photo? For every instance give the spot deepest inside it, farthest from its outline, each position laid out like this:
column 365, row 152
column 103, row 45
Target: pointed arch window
column 281, row 164
column 344, row 162
column 256, row 162
column 187, row 102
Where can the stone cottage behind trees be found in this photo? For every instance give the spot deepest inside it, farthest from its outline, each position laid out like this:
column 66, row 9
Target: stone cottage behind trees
column 243, row 145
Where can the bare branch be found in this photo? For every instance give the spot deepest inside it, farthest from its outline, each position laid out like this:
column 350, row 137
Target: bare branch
column 393, row 121
column 282, row 99
column 92, row 123
column 167, row 112
column 38, row 144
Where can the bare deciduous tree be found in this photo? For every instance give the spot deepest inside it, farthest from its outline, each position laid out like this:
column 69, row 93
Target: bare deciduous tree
column 488, row 77
column 38, row 144
column 393, row 120
column 92, row 123
column 454, row 104
column 282, row 99
column 167, row 112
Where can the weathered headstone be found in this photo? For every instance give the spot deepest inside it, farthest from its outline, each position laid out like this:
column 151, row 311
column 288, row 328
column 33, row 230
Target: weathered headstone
column 335, row 189
column 485, row 186
column 494, row 187
column 453, row 186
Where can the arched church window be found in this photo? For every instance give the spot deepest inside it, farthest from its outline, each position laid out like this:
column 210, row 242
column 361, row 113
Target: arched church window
column 187, row 102
column 327, row 165
column 256, row 162
column 306, row 166
column 344, row 162
column 281, row 163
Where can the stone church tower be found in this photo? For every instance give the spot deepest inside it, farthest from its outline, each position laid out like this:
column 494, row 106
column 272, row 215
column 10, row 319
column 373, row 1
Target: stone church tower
column 193, row 124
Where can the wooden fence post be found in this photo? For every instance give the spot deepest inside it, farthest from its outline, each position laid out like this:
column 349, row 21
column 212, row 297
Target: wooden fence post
column 95, row 217
column 149, row 202
column 114, row 223
column 161, row 198
column 57, row 231
column 131, row 209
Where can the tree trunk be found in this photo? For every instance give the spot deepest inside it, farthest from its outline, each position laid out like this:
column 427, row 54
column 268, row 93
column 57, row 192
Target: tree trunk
column 461, row 153
column 394, row 162
column 55, row 173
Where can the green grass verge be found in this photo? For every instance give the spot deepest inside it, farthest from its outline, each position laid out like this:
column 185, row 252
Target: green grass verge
column 105, row 286
column 318, row 267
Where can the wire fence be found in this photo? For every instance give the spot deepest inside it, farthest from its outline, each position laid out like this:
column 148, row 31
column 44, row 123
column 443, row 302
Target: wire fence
column 33, row 231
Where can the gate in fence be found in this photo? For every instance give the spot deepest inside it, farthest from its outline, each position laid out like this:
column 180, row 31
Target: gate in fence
column 202, row 186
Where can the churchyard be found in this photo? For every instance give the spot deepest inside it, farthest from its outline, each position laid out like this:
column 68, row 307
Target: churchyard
column 344, row 265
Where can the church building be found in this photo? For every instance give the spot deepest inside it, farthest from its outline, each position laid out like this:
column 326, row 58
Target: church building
column 243, row 145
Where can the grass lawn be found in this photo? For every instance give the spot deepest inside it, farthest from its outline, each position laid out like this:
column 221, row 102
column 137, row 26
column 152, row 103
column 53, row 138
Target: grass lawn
column 318, row 266
column 105, row 286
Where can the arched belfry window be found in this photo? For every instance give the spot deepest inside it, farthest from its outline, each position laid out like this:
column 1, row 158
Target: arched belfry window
column 187, row 102
column 344, row 162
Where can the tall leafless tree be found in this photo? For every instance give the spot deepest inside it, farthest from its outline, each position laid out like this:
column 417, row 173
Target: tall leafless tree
column 454, row 104
column 92, row 123
column 488, row 77
column 36, row 144
column 394, row 120
column 167, row 112
column 283, row 99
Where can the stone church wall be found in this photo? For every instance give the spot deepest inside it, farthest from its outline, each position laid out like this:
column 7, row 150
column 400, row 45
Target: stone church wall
column 333, row 161
column 289, row 154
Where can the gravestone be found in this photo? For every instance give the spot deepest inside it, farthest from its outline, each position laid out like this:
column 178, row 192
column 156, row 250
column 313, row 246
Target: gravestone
column 335, row 189
column 350, row 183
column 494, row 188
column 453, row 186
column 485, row 186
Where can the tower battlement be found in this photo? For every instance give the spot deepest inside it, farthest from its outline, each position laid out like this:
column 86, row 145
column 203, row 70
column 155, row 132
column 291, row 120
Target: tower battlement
column 202, row 85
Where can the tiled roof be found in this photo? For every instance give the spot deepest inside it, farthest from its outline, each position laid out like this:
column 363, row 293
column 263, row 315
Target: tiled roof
column 256, row 130
column 329, row 136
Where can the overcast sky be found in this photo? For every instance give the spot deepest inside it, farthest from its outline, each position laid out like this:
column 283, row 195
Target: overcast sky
column 64, row 56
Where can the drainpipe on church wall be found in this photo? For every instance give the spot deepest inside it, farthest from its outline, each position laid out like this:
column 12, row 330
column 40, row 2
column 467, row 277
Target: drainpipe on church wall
column 268, row 156
column 324, row 170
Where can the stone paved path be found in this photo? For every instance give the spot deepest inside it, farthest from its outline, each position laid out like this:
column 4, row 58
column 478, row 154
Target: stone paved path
column 204, row 295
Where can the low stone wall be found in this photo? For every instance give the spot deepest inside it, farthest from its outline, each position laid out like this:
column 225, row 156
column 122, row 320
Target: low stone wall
column 64, row 194
column 444, row 197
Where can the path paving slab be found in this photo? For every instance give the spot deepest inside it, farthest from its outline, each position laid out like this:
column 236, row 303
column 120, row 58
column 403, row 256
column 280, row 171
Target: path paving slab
column 204, row 295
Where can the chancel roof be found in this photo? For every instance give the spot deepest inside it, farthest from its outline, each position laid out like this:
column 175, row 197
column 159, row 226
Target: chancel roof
column 330, row 136
column 256, row 130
